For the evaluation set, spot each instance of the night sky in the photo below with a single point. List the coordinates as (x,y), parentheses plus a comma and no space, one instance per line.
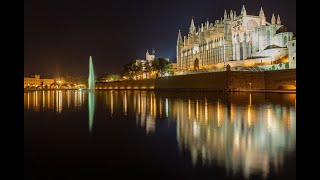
(60,35)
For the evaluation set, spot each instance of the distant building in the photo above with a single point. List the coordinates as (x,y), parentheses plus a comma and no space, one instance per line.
(144,62)
(35,81)
(234,38)
(150,57)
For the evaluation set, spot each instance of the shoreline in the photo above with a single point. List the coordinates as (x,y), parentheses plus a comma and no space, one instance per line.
(183,90)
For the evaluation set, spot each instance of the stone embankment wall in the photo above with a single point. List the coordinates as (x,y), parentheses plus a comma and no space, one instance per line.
(137,84)
(216,81)
(275,79)
(206,81)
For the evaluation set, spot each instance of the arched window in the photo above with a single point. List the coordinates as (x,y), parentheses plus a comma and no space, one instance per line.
(245,37)
(248,50)
(285,41)
(268,38)
(241,51)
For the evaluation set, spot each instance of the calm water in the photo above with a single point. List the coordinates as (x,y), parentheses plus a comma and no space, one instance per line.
(82,135)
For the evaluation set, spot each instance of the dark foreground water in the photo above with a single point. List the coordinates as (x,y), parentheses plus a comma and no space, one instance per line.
(146,134)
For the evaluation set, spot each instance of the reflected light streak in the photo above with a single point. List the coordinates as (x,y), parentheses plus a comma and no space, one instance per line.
(43,101)
(49,92)
(167,104)
(35,102)
(269,119)
(76,98)
(150,124)
(28,100)
(52,99)
(196,129)
(68,98)
(160,106)
(206,110)
(59,101)
(232,113)
(189,109)
(218,113)
(139,103)
(80,98)
(111,103)
(125,102)
(197,109)
(151,104)
(154,106)
(249,117)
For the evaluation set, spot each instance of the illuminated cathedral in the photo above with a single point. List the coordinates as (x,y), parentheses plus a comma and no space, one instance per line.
(242,38)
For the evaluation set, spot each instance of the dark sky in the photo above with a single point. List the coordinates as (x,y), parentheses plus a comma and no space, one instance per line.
(60,35)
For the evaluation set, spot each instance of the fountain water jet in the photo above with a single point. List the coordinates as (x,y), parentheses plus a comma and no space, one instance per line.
(91,88)
(91,83)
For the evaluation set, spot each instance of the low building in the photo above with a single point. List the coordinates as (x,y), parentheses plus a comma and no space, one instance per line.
(36,82)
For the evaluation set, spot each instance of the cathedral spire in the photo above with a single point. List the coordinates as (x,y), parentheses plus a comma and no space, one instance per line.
(207,23)
(234,15)
(243,11)
(225,14)
(273,19)
(261,13)
(179,40)
(192,27)
(231,15)
(278,20)
(262,17)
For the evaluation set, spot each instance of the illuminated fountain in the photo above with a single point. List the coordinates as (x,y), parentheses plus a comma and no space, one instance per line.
(91,88)
(91,83)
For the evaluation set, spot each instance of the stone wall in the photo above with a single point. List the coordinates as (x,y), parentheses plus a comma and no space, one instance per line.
(206,81)
(275,79)
(246,80)
(137,84)
(216,81)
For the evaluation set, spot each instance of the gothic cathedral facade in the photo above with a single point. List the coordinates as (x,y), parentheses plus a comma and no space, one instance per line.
(232,38)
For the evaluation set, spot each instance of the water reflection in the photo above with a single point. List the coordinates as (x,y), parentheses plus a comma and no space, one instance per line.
(91,95)
(146,110)
(247,133)
(238,145)
(57,101)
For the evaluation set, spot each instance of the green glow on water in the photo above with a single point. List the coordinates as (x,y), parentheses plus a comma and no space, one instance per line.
(91,108)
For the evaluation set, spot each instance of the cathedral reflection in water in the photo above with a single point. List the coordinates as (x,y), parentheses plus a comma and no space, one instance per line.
(242,132)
